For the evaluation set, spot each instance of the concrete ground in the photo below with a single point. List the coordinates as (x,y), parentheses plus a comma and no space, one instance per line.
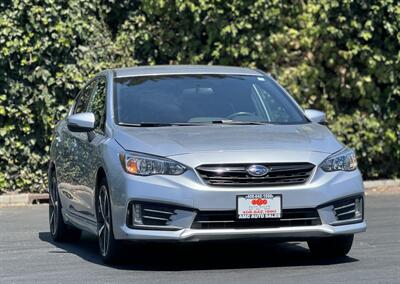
(27,254)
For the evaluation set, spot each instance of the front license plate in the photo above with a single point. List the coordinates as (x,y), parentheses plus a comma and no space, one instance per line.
(259,206)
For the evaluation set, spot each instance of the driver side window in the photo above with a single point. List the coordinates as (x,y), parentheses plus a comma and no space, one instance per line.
(97,104)
(83,98)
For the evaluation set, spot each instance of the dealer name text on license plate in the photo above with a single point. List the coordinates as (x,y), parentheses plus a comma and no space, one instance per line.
(259,206)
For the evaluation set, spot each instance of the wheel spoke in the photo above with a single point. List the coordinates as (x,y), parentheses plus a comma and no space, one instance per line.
(55,194)
(52,218)
(53,206)
(104,218)
(105,208)
(105,241)
(51,194)
(101,205)
(55,221)
(51,197)
(106,232)
(55,217)
(101,230)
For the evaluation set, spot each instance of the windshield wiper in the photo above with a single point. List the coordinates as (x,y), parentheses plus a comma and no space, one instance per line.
(157,124)
(238,122)
(163,124)
(145,124)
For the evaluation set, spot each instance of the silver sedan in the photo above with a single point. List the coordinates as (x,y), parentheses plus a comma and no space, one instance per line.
(192,153)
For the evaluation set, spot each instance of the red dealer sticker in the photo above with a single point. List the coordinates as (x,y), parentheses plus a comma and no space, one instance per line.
(259,206)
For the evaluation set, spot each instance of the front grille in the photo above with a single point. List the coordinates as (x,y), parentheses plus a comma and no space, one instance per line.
(237,175)
(227,220)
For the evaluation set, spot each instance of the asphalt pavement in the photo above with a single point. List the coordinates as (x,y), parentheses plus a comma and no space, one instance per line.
(27,254)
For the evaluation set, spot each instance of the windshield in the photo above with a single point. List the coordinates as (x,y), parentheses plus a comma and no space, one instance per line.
(199,99)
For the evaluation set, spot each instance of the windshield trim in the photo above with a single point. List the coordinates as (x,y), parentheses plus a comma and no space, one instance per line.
(188,73)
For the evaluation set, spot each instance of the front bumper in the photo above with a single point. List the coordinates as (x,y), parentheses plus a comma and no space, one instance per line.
(287,233)
(188,191)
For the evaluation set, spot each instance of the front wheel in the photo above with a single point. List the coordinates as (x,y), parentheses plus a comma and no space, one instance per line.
(331,246)
(109,246)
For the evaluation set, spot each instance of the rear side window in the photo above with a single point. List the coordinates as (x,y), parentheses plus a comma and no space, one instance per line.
(83,98)
(97,104)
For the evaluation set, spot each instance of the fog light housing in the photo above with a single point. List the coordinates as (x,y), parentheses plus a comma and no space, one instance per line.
(358,208)
(348,211)
(137,214)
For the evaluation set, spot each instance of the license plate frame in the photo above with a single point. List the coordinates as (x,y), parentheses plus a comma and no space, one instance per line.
(259,197)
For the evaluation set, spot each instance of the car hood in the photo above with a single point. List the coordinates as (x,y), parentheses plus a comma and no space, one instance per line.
(179,140)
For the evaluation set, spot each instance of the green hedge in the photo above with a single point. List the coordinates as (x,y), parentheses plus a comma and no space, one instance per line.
(341,56)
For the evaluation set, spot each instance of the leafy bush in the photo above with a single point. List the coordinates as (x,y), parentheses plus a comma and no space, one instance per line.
(338,56)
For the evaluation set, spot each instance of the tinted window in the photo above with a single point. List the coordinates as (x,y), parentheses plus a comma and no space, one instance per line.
(97,103)
(203,98)
(83,98)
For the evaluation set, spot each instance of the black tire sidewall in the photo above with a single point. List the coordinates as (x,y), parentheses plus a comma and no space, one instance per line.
(331,246)
(60,229)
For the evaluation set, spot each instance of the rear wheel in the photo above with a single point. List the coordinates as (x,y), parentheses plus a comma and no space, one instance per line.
(58,229)
(331,246)
(109,246)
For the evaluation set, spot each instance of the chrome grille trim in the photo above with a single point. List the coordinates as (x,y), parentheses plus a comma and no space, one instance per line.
(205,222)
(345,206)
(237,175)
(156,218)
(344,209)
(299,219)
(227,219)
(345,213)
(157,211)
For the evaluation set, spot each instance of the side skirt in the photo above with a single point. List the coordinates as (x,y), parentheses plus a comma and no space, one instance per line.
(79,222)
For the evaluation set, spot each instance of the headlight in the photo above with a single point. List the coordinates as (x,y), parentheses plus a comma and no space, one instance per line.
(146,165)
(344,160)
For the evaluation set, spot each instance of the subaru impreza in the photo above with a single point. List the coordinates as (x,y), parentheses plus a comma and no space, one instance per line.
(200,153)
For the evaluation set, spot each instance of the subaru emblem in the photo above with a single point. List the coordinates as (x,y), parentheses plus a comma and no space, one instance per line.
(258,170)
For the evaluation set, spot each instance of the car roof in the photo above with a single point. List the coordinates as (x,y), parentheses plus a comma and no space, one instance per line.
(183,69)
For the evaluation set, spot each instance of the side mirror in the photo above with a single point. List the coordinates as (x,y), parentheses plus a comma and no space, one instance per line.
(315,115)
(81,122)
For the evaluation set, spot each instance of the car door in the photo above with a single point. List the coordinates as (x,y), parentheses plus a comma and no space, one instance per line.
(73,183)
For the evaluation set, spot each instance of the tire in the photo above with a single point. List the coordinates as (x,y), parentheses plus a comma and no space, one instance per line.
(59,230)
(109,247)
(331,246)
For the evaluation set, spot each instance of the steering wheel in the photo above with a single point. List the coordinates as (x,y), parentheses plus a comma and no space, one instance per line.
(240,113)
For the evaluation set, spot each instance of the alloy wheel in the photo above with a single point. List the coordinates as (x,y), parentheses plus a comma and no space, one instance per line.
(104,220)
(53,206)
